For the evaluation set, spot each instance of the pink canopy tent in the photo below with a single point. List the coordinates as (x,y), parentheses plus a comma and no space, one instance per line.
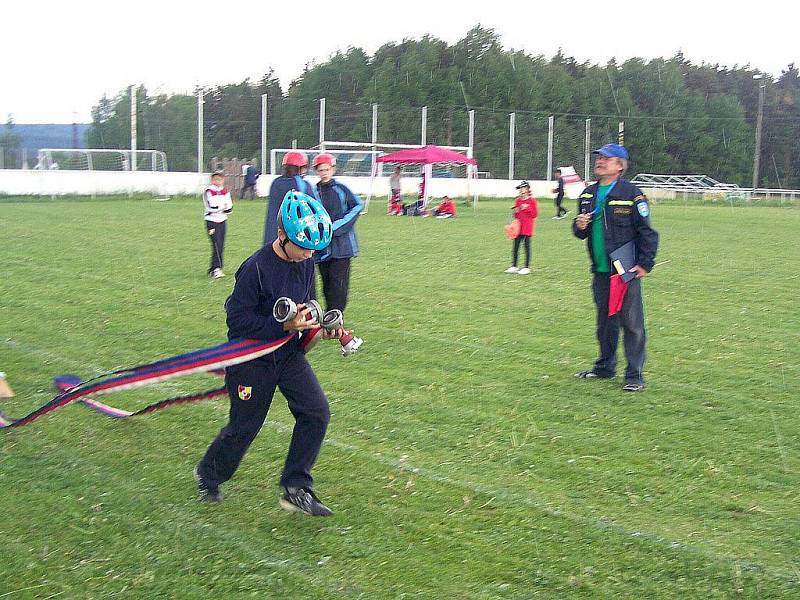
(427,156)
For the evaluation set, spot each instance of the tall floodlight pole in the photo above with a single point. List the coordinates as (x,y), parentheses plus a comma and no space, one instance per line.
(512,118)
(424,137)
(550,126)
(263,132)
(471,142)
(322,124)
(374,164)
(471,169)
(471,139)
(374,127)
(759,121)
(199,131)
(133,128)
(587,148)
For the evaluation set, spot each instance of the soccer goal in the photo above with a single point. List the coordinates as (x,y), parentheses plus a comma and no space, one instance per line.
(349,163)
(100,159)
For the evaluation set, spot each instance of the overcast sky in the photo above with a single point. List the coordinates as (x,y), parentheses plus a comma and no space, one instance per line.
(60,57)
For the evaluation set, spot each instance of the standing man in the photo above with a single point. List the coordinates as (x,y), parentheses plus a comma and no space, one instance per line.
(251,174)
(613,212)
(561,212)
(344,207)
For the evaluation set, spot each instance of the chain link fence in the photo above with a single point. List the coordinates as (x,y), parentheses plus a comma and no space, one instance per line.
(521,146)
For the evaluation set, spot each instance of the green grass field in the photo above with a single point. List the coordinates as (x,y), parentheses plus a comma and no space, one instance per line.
(463,459)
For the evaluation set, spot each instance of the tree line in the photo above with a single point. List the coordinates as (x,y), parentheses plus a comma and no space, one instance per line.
(680,117)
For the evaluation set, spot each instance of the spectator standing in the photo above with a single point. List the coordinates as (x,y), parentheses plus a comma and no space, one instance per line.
(525,210)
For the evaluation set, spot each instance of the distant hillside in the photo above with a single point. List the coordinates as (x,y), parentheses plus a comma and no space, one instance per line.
(34,137)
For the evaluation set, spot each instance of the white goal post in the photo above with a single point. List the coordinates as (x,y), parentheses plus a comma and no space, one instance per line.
(100,159)
(351,163)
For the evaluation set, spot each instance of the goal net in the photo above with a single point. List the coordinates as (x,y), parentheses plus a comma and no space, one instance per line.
(349,163)
(360,163)
(100,159)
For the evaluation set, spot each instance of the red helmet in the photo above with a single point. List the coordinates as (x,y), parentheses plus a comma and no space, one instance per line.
(295,158)
(324,159)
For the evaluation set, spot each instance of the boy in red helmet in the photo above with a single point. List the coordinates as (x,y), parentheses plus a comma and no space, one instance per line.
(295,165)
(344,207)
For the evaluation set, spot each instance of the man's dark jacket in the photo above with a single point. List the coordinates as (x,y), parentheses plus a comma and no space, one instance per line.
(626,217)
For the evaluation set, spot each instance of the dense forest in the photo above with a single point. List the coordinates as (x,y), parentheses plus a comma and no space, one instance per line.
(679,117)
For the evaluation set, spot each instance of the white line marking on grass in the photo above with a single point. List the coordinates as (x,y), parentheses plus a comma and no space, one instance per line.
(32,587)
(510,497)
(778,437)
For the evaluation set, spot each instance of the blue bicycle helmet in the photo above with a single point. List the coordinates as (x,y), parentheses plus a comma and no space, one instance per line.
(305,221)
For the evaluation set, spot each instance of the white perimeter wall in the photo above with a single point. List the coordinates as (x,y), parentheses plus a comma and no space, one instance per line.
(438,187)
(47,183)
(29,182)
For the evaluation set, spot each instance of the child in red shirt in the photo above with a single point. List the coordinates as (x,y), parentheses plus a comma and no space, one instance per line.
(525,210)
(446,209)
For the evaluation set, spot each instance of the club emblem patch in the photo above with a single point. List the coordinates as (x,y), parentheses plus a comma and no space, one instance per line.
(644,210)
(245,392)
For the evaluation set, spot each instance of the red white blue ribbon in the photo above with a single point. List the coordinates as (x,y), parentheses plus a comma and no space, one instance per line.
(200,361)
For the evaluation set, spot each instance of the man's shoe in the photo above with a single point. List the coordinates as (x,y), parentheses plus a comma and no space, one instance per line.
(524,271)
(633,387)
(216,274)
(206,493)
(512,270)
(591,375)
(303,500)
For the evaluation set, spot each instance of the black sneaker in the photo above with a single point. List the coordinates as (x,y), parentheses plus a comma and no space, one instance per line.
(591,375)
(206,493)
(633,387)
(305,501)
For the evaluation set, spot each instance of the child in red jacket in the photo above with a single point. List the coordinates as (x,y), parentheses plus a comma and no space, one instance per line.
(445,210)
(526,209)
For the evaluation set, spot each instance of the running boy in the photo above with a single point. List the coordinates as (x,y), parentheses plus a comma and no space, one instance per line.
(282,268)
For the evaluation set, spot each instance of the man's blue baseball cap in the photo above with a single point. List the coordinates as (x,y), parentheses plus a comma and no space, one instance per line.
(613,151)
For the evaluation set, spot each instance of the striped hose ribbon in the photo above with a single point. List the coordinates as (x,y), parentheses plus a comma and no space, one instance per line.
(200,361)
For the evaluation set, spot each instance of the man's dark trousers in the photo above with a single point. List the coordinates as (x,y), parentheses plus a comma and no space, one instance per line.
(307,402)
(630,318)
